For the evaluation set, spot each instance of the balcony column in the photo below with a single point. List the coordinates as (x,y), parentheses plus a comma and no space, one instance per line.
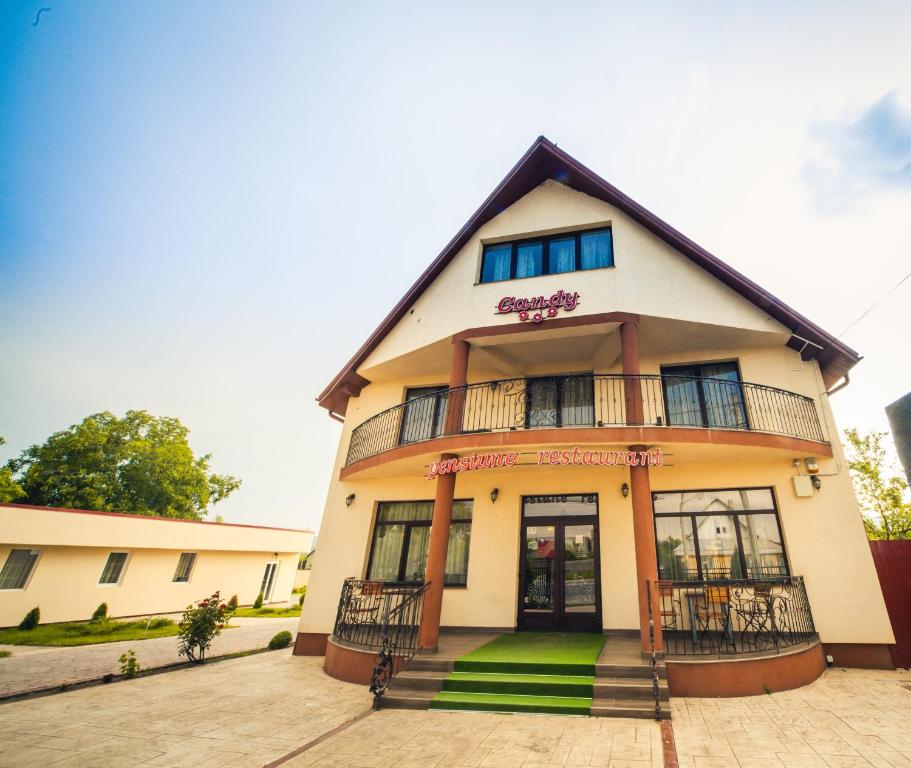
(629,352)
(435,571)
(646,552)
(458,378)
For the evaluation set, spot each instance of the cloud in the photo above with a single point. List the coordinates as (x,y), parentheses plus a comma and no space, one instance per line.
(861,155)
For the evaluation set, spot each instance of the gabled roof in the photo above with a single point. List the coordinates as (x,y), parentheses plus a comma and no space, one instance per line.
(543,161)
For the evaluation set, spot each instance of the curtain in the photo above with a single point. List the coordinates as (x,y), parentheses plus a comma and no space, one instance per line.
(562,256)
(497,261)
(577,406)
(457,554)
(723,396)
(529,259)
(387,552)
(542,402)
(597,250)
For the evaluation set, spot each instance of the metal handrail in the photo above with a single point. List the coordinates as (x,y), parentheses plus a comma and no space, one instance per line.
(588,400)
(653,659)
(728,617)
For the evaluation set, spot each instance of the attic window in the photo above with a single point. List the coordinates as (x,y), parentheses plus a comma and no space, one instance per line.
(569,252)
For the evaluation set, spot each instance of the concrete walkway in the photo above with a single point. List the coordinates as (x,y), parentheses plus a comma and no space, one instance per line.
(34,667)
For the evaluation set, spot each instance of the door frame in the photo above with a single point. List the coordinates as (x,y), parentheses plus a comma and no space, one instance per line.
(559,619)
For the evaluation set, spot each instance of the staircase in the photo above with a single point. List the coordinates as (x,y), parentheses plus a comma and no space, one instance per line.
(606,690)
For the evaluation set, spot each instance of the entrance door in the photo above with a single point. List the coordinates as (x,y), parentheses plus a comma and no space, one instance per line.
(559,579)
(268,581)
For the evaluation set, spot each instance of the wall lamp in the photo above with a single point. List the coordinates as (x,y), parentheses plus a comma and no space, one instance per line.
(624,489)
(817,481)
(349,500)
(494,494)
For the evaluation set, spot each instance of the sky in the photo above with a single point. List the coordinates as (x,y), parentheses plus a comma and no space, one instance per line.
(205,208)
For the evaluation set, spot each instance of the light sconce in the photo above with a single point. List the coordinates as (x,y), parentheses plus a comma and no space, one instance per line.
(817,481)
(494,494)
(349,500)
(624,489)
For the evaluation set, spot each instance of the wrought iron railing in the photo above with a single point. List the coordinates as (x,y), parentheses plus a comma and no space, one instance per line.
(721,618)
(381,617)
(588,400)
(653,658)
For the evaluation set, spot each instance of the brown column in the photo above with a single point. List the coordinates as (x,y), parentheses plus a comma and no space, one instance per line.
(435,572)
(458,377)
(646,554)
(632,388)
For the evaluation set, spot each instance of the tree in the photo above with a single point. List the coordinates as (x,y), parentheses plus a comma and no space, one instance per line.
(880,489)
(139,463)
(10,490)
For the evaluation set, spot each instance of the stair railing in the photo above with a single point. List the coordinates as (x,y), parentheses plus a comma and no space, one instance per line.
(401,625)
(653,662)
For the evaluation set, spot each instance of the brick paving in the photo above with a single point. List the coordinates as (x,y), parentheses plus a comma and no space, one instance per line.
(259,709)
(846,719)
(32,667)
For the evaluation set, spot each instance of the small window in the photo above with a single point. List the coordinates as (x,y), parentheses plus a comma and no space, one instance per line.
(566,252)
(113,568)
(18,568)
(185,566)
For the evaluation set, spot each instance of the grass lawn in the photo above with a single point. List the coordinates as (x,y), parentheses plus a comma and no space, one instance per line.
(268,612)
(86,633)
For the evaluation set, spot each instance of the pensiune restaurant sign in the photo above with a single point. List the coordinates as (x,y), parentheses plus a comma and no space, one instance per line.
(537,308)
(575,457)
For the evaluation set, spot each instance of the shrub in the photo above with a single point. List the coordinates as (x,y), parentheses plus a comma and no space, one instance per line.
(301,601)
(200,624)
(101,613)
(258,603)
(281,640)
(232,603)
(129,664)
(31,619)
(159,622)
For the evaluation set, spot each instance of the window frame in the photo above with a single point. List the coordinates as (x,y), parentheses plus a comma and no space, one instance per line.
(559,382)
(406,538)
(732,513)
(545,241)
(174,579)
(120,575)
(703,411)
(28,578)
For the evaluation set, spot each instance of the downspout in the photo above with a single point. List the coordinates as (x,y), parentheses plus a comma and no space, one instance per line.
(844,383)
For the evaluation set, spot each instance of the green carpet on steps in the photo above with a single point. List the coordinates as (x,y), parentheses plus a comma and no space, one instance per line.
(549,672)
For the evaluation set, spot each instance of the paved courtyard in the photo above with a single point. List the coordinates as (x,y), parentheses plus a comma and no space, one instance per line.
(276,707)
(35,667)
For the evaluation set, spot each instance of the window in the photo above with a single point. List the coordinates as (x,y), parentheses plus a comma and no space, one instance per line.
(185,566)
(718,534)
(425,409)
(113,568)
(704,396)
(567,401)
(402,536)
(552,255)
(18,568)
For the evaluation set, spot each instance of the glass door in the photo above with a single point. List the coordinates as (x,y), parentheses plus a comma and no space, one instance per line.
(559,579)
(268,581)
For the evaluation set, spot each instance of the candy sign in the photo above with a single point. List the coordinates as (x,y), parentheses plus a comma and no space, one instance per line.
(537,308)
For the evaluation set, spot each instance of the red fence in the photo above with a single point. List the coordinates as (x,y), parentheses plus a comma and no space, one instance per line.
(893,566)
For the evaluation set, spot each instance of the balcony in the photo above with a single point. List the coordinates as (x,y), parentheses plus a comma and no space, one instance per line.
(588,401)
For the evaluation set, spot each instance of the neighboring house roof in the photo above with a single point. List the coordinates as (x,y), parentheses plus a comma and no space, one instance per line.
(543,161)
(158,518)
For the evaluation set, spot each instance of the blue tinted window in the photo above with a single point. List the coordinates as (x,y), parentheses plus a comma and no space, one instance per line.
(597,250)
(529,259)
(497,260)
(562,255)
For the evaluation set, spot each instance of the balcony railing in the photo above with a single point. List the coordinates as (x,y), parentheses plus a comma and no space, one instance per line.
(587,400)
(723,618)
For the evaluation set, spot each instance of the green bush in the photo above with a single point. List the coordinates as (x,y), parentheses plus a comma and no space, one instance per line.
(159,623)
(281,640)
(258,603)
(31,619)
(101,613)
(199,626)
(232,603)
(301,601)
(129,664)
